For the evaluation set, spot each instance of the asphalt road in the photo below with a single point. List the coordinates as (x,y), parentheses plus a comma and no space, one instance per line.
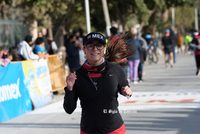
(167,102)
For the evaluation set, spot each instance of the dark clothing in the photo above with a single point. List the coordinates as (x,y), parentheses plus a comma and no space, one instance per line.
(66,38)
(174,38)
(99,103)
(197,59)
(136,45)
(46,43)
(155,42)
(143,55)
(73,56)
(196,41)
(140,71)
(168,44)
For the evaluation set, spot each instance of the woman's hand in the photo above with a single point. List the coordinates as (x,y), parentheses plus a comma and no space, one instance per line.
(70,80)
(126,91)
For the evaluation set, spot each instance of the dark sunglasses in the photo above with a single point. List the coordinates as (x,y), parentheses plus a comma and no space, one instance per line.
(99,46)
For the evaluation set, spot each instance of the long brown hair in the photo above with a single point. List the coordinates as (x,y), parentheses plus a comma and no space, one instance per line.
(119,49)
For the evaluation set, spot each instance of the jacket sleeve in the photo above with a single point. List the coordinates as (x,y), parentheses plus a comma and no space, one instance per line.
(70,100)
(28,53)
(72,49)
(122,81)
(144,54)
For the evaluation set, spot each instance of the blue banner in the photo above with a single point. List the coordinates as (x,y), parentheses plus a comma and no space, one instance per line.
(14,95)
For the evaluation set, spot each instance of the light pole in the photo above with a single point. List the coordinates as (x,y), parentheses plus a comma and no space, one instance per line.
(196,19)
(87,14)
(107,17)
(173,17)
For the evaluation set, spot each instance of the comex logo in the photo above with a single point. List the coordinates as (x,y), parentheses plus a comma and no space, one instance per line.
(9,92)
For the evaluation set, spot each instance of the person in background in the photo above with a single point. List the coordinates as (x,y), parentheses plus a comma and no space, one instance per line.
(187,40)
(81,33)
(114,34)
(142,40)
(2,62)
(38,48)
(134,60)
(148,39)
(78,43)
(196,41)
(168,46)
(179,43)
(113,38)
(40,34)
(52,46)
(14,53)
(174,38)
(72,51)
(25,50)
(143,55)
(7,57)
(66,36)
(44,36)
(1,51)
(97,84)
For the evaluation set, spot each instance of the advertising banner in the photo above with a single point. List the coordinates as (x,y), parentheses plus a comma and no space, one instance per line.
(37,80)
(14,94)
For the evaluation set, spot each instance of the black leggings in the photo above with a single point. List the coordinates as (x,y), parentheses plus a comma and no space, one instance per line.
(197,58)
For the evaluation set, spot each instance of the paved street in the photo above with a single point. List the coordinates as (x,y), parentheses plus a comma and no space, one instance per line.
(167,102)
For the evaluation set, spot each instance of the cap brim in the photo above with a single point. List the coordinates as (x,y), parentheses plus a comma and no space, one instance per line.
(94,39)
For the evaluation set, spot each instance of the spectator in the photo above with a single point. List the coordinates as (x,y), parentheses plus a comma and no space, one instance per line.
(40,34)
(66,36)
(38,48)
(81,33)
(52,46)
(7,57)
(2,62)
(73,53)
(79,43)
(1,51)
(25,51)
(15,56)
(44,36)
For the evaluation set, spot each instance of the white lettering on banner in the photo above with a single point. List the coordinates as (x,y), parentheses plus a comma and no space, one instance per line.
(9,92)
(97,36)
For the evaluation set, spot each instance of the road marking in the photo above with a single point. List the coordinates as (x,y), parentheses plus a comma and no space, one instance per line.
(139,100)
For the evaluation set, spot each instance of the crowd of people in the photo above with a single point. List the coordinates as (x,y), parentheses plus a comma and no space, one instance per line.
(29,49)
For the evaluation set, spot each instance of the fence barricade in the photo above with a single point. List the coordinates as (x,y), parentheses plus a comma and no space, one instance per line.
(29,84)
(57,73)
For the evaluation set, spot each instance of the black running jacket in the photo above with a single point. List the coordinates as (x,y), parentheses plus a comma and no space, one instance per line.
(99,104)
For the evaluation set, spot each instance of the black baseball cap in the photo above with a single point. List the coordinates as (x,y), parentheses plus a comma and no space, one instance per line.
(93,36)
